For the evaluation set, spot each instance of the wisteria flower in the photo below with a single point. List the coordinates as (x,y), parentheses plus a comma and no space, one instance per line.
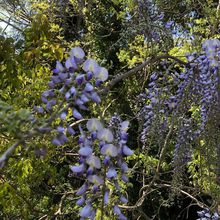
(123,199)
(117,210)
(77,115)
(127,151)
(112,173)
(91,65)
(82,189)
(95,97)
(77,52)
(102,74)
(109,150)
(78,169)
(85,151)
(97,180)
(93,162)
(59,68)
(80,79)
(86,211)
(81,201)
(88,87)
(124,126)
(70,63)
(169,24)
(105,135)
(106,197)
(94,125)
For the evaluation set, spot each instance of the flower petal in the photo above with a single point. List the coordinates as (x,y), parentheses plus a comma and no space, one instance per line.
(97,180)
(95,97)
(105,135)
(111,173)
(94,124)
(82,190)
(109,150)
(85,151)
(59,67)
(86,211)
(90,65)
(78,169)
(127,151)
(93,162)
(124,126)
(88,87)
(102,74)
(106,197)
(77,52)
(123,199)
(77,115)
(80,201)
(117,210)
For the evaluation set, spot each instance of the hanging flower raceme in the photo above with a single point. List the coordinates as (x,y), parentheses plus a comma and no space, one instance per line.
(160,102)
(174,95)
(205,84)
(102,162)
(72,85)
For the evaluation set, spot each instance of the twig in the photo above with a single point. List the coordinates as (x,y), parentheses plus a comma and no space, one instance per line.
(7,153)
(60,209)
(103,113)
(146,217)
(200,204)
(143,189)
(141,200)
(30,134)
(43,217)
(217,10)
(8,23)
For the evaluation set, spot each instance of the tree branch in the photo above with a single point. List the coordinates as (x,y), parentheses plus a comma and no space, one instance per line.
(131,72)
(7,153)
(141,199)
(60,208)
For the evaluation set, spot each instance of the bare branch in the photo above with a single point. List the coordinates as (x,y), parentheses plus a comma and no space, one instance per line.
(200,204)
(141,199)
(10,24)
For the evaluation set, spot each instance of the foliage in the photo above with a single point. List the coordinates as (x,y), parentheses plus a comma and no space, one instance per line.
(163,78)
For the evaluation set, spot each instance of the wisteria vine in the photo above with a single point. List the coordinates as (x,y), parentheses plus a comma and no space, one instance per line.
(172,95)
(102,150)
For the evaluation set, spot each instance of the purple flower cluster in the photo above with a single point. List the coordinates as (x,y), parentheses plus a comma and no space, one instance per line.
(178,93)
(160,102)
(206,215)
(102,150)
(148,110)
(207,82)
(73,84)
(197,88)
(102,162)
(204,79)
